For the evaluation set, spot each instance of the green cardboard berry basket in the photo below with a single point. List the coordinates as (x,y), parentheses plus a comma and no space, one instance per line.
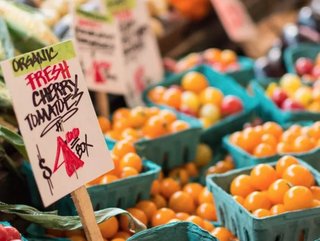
(269,111)
(8,224)
(213,135)
(292,53)
(38,233)
(219,154)
(170,150)
(245,74)
(178,231)
(284,227)
(242,158)
(122,193)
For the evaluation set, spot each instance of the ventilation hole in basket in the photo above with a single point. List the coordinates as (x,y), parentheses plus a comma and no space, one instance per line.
(139,197)
(97,207)
(165,161)
(119,203)
(185,154)
(221,216)
(278,238)
(246,235)
(303,235)
(234,225)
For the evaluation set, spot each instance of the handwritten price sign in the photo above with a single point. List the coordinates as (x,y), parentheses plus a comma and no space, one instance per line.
(99,49)
(57,120)
(119,54)
(141,55)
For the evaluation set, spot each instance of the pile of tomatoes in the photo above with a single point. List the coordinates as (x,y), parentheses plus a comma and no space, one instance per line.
(272,190)
(196,98)
(174,197)
(126,161)
(141,122)
(270,138)
(308,68)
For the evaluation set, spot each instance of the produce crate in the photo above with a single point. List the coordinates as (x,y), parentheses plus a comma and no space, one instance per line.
(178,231)
(213,134)
(268,110)
(284,227)
(170,150)
(123,193)
(245,74)
(8,224)
(242,158)
(292,53)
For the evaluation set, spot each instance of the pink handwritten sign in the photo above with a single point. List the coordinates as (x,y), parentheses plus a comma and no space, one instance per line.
(57,120)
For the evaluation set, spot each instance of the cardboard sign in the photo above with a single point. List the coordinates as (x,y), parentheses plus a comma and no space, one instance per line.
(142,59)
(235,19)
(98,44)
(57,120)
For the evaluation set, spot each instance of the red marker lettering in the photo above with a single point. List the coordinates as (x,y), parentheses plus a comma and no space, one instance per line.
(48,74)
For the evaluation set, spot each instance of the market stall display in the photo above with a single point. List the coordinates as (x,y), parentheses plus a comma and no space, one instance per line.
(267,142)
(287,99)
(241,191)
(215,99)
(224,147)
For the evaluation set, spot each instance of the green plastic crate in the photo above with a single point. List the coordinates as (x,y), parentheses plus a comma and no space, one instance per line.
(269,111)
(178,231)
(283,227)
(8,224)
(123,193)
(171,150)
(213,135)
(242,158)
(292,53)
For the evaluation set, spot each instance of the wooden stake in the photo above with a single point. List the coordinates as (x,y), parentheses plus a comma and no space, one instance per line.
(84,207)
(102,104)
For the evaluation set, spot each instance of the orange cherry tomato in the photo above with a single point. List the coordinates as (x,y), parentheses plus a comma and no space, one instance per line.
(298,197)
(277,190)
(256,200)
(262,176)
(242,186)
(284,162)
(298,175)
